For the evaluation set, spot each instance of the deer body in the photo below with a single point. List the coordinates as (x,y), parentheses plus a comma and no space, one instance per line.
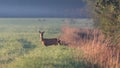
(47,41)
(52,41)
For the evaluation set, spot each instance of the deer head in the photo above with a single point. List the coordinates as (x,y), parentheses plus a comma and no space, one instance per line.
(41,35)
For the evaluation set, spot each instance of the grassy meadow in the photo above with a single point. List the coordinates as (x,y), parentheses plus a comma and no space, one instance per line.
(20,46)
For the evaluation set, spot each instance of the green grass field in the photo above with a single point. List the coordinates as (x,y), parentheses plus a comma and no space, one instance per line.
(20,46)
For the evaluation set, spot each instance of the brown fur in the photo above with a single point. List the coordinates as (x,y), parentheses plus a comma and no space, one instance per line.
(48,41)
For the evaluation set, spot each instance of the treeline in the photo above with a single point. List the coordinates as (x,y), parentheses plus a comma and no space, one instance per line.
(106,14)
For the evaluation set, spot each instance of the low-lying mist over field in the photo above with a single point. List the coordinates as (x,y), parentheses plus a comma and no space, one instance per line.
(34,24)
(80,44)
(19,40)
(59,33)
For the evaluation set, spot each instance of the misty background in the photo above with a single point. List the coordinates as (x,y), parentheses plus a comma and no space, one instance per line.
(42,8)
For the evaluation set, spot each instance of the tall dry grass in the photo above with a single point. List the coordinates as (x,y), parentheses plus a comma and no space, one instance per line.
(0,65)
(98,50)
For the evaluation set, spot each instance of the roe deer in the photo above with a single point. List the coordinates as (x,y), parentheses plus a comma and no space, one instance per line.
(48,41)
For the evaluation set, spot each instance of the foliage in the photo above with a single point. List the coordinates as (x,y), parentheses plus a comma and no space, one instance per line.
(107,17)
(109,12)
(106,14)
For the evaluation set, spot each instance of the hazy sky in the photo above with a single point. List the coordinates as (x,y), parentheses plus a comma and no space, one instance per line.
(40,8)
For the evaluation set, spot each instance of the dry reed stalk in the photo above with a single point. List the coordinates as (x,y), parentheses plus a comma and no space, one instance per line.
(96,48)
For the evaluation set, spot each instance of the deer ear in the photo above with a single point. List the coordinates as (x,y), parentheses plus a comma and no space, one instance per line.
(39,31)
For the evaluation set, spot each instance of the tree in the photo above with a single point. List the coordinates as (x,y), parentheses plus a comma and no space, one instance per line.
(107,17)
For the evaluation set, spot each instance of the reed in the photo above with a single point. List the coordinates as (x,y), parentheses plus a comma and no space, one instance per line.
(98,51)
